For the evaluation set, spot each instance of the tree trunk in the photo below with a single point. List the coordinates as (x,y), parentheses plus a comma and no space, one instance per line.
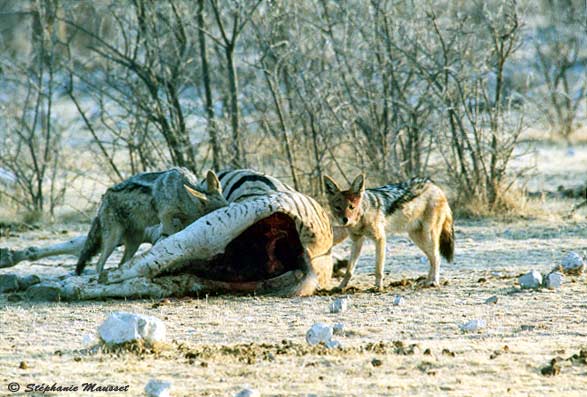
(238,160)
(212,132)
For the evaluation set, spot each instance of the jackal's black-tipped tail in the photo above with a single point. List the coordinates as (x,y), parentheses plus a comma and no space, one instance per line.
(447,239)
(91,246)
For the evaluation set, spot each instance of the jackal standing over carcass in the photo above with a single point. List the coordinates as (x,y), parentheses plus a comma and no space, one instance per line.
(145,208)
(416,206)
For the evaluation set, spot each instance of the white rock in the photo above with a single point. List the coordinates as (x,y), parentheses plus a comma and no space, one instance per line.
(573,262)
(333,344)
(339,305)
(122,327)
(338,329)
(89,339)
(319,333)
(554,280)
(473,325)
(247,392)
(157,388)
(491,299)
(398,300)
(531,280)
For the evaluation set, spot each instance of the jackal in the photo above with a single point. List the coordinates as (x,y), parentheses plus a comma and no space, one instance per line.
(145,208)
(416,206)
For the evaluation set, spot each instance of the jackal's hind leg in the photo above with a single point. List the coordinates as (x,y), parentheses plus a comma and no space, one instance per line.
(110,240)
(429,244)
(355,253)
(131,246)
(380,261)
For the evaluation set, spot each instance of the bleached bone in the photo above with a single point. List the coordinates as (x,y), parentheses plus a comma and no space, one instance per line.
(9,258)
(189,261)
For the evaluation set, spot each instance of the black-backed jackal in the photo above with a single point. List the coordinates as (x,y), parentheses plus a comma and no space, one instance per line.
(416,206)
(145,208)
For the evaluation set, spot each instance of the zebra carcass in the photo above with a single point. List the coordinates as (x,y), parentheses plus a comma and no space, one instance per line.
(277,243)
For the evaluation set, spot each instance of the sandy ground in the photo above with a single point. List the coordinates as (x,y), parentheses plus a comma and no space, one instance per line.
(220,344)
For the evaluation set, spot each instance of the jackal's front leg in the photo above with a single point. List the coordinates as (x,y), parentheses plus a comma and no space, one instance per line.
(355,253)
(380,261)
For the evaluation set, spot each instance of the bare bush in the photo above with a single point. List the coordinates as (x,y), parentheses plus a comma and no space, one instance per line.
(300,89)
(32,144)
(560,63)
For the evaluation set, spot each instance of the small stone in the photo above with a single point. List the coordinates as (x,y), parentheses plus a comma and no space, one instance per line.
(376,362)
(491,300)
(338,329)
(23,365)
(319,333)
(89,339)
(427,352)
(333,344)
(8,283)
(423,260)
(339,305)
(121,327)
(398,300)
(248,392)
(531,280)
(554,280)
(473,325)
(573,263)
(157,388)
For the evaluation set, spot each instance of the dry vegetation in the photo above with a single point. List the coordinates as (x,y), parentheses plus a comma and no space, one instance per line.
(447,89)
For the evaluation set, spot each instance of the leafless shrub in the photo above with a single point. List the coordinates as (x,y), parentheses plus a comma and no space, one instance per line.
(560,63)
(32,141)
(300,89)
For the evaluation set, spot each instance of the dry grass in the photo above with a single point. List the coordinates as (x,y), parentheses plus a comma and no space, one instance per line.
(515,204)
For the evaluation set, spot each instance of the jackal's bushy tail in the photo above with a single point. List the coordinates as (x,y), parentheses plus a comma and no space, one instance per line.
(447,239)
(91,246)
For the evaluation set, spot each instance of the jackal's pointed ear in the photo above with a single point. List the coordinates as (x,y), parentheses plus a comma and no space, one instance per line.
(195,194)
(358,185)
(330,185)
(213,182)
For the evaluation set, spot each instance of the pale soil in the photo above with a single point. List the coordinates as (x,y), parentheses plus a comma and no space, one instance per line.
(535,326)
